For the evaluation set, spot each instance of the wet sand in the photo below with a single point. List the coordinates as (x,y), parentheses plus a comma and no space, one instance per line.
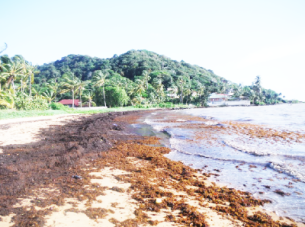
(94,171)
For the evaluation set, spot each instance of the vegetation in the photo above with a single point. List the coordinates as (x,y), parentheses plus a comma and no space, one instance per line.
(10,114)
(136,78)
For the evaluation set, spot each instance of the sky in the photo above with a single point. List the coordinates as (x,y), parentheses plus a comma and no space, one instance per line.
(237,39)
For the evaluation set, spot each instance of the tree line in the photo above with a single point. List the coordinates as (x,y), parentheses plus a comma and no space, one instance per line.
(137,78)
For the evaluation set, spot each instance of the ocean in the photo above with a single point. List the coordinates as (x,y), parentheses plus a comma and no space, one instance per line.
(256,149)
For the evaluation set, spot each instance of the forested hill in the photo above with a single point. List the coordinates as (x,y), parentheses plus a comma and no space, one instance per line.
(137,78)
(129,65)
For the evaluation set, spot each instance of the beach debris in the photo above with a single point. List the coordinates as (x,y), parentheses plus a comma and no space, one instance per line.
(116,127)
(210,123)
(77,177)
(158,200)
(208,117)
(117,189)
(280,192)
(289,186)
(95,213)
(114,204)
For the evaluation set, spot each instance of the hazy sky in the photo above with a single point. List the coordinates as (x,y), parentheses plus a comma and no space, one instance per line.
(237,39)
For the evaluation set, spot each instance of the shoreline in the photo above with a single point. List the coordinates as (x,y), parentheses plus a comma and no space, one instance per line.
(129,170)
(200,141)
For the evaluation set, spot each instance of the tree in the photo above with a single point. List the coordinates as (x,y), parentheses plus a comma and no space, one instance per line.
(238,90)
(139,88)
(200,90)
(49,95)
(79,89)
(12,70)
(69,83)
(2,77)
(53,85)
(146,77)
(116,96)
(157,83)
(88,96)
(257,88)
(6,99)
(30,72)
(182,83)
(99,79)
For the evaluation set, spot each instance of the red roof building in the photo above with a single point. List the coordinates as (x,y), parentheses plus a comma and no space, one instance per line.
(69,102)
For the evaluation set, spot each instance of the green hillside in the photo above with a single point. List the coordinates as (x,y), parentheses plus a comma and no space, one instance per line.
(129,65)
(137,78)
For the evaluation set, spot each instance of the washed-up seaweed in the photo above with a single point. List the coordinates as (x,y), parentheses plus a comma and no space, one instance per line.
(56,159)
(81,147)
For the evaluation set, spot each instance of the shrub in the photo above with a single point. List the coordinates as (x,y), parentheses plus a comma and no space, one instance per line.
(116,96)
(58,106)
(166,105)
(24,102)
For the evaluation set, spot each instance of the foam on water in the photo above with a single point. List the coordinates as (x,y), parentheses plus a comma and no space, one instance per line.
(248,149)
(282,168)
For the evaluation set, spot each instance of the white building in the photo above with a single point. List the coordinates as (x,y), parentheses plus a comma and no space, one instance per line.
(226,100)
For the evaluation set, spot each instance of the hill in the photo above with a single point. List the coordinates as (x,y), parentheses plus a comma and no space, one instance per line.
(137,77)
(129,65)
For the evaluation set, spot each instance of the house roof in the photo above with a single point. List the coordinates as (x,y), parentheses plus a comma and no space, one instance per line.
(217,96)
(69,102)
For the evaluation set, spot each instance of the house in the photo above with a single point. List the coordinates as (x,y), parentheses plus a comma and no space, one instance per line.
(69,102)
(216,98)
(172,93)
(227,100)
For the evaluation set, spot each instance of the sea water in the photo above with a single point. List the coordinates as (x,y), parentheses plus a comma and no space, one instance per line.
(260,166)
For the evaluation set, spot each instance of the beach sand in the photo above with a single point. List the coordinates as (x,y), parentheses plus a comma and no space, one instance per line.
(79,170)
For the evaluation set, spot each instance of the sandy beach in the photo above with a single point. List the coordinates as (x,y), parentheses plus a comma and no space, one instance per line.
(76,170)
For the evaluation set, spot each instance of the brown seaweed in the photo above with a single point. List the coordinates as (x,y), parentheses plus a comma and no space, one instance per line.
(94,143)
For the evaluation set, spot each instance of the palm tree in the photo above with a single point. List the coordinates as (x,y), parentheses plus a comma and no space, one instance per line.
(146,77)
(69,84)
(188,92)
(89,97)
(157,83)
(53,86)
(49,95)
(140,87)
(30,72)
(248,92)
(79,89)
(200,90)
(181,83)
(11,71)
(238,90)
(6,99)
(2,77)
(23,83)
(257,88)
(99,80)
